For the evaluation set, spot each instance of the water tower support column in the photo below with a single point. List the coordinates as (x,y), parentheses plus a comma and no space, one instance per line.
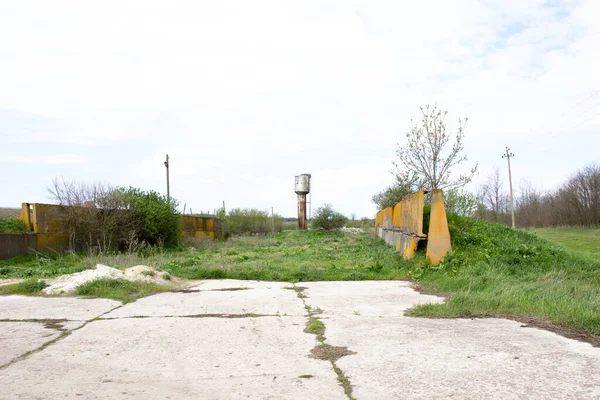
(302,211)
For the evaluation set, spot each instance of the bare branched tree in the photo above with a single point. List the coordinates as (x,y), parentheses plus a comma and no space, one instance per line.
(493,197)
(95,215)
(431,153)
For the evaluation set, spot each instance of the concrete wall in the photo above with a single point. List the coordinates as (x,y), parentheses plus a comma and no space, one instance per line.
(195,227)
(402,226)
(49,235)
(15,244)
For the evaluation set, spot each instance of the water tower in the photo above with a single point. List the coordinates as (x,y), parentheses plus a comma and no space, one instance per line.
(302,188)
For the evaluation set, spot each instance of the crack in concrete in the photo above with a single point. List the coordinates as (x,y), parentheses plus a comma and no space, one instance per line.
(234,289)
(325,351)
(51,324)
(230,316)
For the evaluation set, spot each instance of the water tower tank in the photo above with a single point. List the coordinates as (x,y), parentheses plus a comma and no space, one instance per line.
(302,184)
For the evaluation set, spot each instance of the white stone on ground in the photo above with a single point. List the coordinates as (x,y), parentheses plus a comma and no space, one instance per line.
(67,283)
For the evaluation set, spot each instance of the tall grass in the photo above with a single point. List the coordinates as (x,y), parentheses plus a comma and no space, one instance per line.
(495,270)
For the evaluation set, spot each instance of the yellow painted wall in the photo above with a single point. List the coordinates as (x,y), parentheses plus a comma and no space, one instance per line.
(200,227)
(408,213)
(438,243)
(51,237)
(402,226)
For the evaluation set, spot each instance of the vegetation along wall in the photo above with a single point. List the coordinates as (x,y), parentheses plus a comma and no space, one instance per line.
(402,226)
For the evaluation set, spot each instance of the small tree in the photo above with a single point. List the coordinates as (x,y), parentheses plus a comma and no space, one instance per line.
(426,153)
(327,218)
(426,160)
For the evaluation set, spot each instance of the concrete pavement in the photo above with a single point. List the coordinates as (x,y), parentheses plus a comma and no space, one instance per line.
(224,339)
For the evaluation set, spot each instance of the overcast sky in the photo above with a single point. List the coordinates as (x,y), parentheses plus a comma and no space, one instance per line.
(244,95)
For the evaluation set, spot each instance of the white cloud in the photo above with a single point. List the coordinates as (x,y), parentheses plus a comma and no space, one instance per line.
(245,95)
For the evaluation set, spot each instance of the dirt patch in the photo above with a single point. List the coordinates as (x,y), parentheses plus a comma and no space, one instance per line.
(331,353)
(571,333)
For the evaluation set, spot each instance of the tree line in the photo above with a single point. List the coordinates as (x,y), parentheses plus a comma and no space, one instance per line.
(575,202)
(429,154)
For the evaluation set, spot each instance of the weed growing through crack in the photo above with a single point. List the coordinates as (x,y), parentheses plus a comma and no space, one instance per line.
(119,289)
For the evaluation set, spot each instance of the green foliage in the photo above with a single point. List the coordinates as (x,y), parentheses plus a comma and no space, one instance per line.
(292,256)
(460,202)
(155,217)
(41,265)
(403,186)
(495,270)
(584,241)
(327,218)
(250,220)
(118,289)
(31,286)
(12,225)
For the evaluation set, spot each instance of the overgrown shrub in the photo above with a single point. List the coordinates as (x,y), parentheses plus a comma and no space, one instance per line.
(251,220)
(327,218)
(102,218)
(12,225)
(154,216)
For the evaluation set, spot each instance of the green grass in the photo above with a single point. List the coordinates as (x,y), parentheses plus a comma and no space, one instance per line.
(585,241)
(493,271)
(31,286)
(119,289)
(12,225)
(292,256)
(497,271)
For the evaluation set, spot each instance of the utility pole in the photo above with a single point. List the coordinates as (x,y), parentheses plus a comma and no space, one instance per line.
(508,155)
(272,221)
(168,189)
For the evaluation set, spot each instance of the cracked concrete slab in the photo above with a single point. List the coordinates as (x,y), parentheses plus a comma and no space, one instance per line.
(385,354)
(468,359)
(367,298)
(182,358)
(264,298)
(28,307)
(17,338)
(416,358)
(224,284)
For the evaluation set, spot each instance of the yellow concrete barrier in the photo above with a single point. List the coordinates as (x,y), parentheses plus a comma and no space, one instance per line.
(402,226)
(438,242)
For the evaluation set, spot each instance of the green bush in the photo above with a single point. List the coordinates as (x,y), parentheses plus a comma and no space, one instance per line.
(250,220)
(155,217)
(327,218)
(12,225)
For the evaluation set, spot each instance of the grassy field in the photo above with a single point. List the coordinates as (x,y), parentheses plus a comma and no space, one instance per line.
(493,271)
(292,256)
(585,241)
(497,271)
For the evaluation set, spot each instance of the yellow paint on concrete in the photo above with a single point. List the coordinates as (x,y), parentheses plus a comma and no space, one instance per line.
(409,249)
(388,216)
(52,242)
(199,227)
(408,213)
(438,243)
(25,215)
(46,218)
